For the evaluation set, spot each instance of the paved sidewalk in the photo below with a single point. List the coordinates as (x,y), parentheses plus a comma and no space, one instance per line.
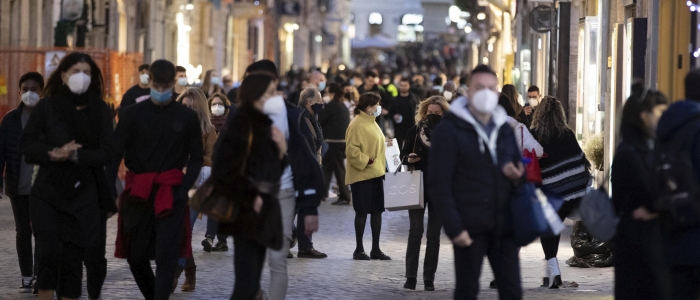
(336,277)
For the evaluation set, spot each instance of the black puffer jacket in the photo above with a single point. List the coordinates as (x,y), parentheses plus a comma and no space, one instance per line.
(10,158)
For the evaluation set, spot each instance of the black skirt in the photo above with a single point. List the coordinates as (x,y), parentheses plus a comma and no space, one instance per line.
(368,196)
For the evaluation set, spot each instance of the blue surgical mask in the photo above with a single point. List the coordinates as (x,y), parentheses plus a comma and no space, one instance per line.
(215,80)
(379,111)
(161,97)
(321,85)
(352,82)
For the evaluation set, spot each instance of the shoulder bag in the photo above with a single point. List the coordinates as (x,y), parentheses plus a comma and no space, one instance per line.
(209,200)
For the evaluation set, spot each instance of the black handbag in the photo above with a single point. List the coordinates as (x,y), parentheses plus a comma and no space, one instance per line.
(211,200)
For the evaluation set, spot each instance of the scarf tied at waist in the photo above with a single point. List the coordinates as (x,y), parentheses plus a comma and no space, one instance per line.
(138,187)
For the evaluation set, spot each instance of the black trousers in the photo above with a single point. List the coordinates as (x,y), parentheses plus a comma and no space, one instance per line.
(333,163)
(96,263)
(641,271)
(59,265)
(686,282)
(304,240)
(550,245)
(503,256)
(23,240)
(167,234)
(415,235)
(248,261)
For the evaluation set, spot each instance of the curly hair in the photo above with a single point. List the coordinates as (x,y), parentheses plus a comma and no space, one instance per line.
(422,111)
(549,120)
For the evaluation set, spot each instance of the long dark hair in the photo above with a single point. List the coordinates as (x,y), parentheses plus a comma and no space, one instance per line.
(53,85)
(549,121)
(253,87)
(510,91)
(641,100)
(504,102)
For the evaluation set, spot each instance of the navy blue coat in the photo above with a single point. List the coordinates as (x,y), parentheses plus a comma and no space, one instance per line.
(469,191)
(682,248)
(10,158)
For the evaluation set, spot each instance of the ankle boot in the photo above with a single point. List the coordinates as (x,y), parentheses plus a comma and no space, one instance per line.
(554,273)
(178,272)
(545,274)
(190,279)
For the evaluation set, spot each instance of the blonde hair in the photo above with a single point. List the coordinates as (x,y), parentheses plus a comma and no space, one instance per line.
(355,95)
(200,105)
(423,107)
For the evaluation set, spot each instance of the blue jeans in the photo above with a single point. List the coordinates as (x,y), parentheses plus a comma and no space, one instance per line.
(212,225)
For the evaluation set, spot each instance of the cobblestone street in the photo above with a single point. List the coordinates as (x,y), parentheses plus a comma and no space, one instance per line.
(336,277)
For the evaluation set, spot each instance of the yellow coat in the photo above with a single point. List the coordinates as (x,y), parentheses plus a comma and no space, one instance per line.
(364,140)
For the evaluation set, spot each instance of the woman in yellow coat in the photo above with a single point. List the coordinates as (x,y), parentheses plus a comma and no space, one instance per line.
(365,147)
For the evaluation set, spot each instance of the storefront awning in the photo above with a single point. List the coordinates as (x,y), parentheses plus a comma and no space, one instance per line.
(377,42)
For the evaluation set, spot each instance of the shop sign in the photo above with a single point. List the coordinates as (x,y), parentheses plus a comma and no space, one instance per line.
(541,19)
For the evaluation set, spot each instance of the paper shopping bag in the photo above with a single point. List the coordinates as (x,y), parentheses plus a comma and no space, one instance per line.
(403,191)
(393,156)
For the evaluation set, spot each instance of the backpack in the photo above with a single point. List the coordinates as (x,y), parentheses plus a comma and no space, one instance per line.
(676,185)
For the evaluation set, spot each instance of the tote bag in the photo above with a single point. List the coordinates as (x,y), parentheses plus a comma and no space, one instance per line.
(403,191)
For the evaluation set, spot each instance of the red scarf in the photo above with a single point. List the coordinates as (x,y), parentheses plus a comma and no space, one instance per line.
(139,187)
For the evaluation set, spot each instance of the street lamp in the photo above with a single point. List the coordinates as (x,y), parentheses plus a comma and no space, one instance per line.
(189,6)
(481,16)
(468,29)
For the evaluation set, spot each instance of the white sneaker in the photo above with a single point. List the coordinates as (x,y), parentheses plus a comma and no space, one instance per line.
(331,195)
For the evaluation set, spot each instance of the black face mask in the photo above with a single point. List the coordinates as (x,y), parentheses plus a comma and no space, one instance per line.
(348,95)
(433,120)
(317,108)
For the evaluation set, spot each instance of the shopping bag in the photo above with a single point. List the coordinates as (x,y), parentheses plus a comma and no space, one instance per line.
(393,156)
(532,167)
(403,190)
(533,215)
(598,214)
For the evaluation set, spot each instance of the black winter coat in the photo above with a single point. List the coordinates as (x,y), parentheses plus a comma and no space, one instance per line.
(468,189)
(334,120)
(262,165)
(58,184)
(10,158)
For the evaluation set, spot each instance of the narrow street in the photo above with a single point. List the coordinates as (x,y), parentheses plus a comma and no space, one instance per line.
(336,277)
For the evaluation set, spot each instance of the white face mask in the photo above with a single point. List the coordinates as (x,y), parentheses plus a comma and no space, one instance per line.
(533,102)
(30,98)
(274,106)
(485,101)
(448,95)
(215,80)
(79,83)
(144,79)
(182,81)
(326,99)
(217,109)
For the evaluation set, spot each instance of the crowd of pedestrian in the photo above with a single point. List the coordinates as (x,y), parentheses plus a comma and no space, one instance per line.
(270,146)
